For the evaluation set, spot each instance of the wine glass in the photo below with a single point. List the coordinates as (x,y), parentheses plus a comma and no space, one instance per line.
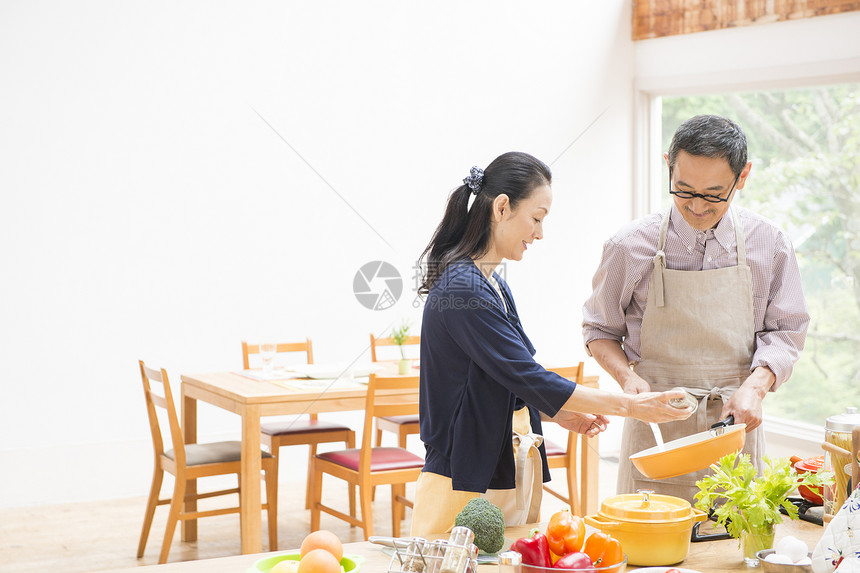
(267,354)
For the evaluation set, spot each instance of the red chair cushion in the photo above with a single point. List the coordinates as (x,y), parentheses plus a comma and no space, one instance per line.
(381,459)
(553,449)
(401,420)
(304,426)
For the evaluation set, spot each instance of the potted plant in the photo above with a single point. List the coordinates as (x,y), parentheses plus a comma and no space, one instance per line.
(748,505)
(400,334)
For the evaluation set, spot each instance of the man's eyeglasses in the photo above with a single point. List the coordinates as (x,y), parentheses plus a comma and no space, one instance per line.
(708,198)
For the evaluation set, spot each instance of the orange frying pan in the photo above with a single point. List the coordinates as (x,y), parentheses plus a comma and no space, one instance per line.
(691,453)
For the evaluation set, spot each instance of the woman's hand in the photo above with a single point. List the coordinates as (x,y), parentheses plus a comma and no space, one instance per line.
(654,407)
(586,424)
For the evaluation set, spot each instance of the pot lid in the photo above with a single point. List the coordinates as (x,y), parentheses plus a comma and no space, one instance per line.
(844,422)
(646,507)
(812,464)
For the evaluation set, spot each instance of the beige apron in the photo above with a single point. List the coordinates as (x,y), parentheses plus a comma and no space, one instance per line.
(437,503)
(698,333)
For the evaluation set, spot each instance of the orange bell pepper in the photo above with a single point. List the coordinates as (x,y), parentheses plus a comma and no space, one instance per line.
(603,549)
(565,533)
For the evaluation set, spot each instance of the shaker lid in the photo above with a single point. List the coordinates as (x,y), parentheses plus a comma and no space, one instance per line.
(844,422)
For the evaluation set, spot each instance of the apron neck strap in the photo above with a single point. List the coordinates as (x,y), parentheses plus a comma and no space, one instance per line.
(664,230)
(660,261)
(739,238)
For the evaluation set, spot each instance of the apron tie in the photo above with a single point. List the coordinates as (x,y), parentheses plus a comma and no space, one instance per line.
(659,267)
(527,451)
(704,396)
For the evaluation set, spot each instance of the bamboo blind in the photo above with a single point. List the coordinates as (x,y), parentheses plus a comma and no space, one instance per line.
(657,18)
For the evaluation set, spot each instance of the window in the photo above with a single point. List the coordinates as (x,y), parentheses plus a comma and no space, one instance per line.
(805,148)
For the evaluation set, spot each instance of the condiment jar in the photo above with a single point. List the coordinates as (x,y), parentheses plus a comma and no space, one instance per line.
(459,551)
(837,431)
(510,562)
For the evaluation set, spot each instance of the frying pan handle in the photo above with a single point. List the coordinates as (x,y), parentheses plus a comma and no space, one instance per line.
(695,536)
(725,422)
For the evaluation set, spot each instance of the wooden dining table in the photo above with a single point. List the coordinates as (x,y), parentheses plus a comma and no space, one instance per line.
(705,557)
(252,399)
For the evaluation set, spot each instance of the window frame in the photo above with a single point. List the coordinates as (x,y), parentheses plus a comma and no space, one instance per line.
(648,185)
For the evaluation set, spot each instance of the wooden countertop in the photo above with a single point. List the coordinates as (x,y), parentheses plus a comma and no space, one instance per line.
(706,556)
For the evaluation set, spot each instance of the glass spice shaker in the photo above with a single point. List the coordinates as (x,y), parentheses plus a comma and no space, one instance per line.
(472,565)
(433,556)
(510,562)
(415,555)
(458,553)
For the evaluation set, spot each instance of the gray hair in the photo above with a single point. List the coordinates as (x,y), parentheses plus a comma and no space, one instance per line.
(711,136)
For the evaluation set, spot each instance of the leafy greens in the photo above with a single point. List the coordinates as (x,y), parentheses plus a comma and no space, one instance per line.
(745,502)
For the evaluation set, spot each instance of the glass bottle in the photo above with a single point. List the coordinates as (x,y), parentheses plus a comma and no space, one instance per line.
(754,540)
(837,431)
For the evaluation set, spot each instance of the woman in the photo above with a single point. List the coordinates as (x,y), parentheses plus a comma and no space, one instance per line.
(479,382)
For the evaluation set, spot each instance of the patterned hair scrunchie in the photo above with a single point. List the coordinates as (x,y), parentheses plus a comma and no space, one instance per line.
(475,179)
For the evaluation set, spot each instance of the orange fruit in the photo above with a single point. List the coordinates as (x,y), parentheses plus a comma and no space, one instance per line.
(323,539)
(319,561)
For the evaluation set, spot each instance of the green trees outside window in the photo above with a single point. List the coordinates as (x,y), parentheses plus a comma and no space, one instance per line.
(805,148)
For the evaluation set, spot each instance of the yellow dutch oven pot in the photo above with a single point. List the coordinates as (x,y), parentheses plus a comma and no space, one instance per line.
(653,529)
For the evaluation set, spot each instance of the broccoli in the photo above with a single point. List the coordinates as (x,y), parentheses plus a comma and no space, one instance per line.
(487,522)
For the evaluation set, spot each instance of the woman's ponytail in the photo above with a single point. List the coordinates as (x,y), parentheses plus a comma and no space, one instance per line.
(447,235)
(465,230)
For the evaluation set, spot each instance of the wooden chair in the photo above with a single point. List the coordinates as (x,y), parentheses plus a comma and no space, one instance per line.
(400,425)
(561,457)
(190,462)
(311,431)
(370,466)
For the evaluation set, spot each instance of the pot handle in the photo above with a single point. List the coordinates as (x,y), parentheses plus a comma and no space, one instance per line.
(599,522)
(699,515)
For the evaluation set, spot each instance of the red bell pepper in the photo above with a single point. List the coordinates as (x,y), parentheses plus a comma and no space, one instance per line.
(534,549)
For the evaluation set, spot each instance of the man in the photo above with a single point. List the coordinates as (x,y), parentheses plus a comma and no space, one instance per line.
(702,296)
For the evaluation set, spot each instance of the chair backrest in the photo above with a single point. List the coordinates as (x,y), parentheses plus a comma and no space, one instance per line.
(282,348)
(387,396)
(374,342)
(572,373)
(156,390)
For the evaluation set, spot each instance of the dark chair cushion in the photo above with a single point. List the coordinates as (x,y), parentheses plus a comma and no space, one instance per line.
(381,459)
(304,426)
(213,453)
(401,420)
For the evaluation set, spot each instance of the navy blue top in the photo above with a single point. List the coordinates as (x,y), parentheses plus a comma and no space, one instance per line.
(477,367)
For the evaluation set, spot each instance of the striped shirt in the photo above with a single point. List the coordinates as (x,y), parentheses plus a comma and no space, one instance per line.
(615,309)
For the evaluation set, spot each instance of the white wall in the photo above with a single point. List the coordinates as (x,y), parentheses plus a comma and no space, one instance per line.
(148,212)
